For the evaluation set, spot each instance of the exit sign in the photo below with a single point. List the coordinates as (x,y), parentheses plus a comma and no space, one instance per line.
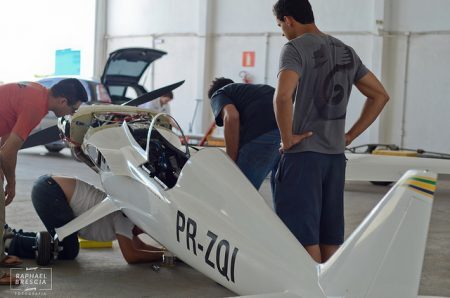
(248,59)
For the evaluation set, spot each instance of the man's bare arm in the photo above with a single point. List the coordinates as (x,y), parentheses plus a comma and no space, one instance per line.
(2,142)
(282,103)
(8,160)
(231,126)
(377,97)
(134,255)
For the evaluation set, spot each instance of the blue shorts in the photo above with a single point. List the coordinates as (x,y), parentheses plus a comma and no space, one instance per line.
(259,157)
(309,195)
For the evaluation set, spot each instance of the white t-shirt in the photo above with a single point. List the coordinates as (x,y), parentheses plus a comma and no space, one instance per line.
(85,197)
(156,106)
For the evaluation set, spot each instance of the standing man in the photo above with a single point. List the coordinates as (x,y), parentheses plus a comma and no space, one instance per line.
(22,107)
(319,70)
(161,104)
(251,134)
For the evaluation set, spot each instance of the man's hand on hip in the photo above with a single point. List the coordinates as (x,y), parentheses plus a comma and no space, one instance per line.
(295,139)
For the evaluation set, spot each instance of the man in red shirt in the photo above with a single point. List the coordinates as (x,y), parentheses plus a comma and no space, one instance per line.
(22,107)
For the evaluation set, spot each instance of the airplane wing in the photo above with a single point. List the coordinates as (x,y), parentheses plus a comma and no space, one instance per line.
(100,210)
(383,256)
(152,95)
(45,136)
(371,167)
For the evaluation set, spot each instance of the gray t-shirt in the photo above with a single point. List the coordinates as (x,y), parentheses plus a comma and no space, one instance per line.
(87,196)
(327,68)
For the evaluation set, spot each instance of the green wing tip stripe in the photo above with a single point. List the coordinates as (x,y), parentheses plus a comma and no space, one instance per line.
(432,182)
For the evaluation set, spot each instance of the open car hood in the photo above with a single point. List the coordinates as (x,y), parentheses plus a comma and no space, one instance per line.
(126,66)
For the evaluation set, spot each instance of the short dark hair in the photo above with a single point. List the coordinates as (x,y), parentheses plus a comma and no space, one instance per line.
(300,10)
(218,83)
(72,89)
(168,94)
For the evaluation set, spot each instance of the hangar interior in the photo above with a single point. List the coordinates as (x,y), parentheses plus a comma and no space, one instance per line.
(404,42)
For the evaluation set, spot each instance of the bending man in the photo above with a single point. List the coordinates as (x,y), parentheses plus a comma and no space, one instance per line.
(58,200)
(22,107)
(252,138)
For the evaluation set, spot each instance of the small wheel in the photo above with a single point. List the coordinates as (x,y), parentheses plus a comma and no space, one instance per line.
(53,149)
(43,248)
(55,249)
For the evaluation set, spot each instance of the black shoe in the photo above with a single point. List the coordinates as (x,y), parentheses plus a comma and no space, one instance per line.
(11,231)
(8,233)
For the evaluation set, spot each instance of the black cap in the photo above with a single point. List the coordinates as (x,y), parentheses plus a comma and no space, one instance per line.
(72,89)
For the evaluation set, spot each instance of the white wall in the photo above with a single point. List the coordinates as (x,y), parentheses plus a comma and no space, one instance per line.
(416,74)
(31,32)
(427,110)
(377,29)
(138,17)
(418,15)
(343,15)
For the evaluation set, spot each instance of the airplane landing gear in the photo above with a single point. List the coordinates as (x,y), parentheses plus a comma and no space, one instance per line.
(168,259)
(46,248)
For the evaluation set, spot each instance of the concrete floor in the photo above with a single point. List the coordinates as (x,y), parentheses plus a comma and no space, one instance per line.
(103,272)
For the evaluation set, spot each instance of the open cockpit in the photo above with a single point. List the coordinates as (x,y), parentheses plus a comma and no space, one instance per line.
(156,142)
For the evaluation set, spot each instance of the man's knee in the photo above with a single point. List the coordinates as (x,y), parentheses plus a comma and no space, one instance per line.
(38,193)
(70,255)
(70,248)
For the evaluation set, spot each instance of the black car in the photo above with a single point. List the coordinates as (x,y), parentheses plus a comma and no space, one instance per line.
(124,70)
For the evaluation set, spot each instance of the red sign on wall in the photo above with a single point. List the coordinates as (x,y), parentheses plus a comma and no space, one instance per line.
(248,59)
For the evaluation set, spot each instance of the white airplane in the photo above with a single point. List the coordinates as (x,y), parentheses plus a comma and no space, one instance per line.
(199,205)
(365,166)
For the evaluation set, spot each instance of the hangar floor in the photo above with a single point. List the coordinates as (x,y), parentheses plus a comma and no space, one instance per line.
(104,273)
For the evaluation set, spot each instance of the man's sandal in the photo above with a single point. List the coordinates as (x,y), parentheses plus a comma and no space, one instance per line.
(10,261)
(8,280)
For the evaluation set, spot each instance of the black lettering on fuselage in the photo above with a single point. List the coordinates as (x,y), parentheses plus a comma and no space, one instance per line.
(210,246)
(181,222)
(190,234)
(223,269)
(222,260)
(233,262)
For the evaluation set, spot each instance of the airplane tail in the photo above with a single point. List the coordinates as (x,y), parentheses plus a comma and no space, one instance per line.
(384,255)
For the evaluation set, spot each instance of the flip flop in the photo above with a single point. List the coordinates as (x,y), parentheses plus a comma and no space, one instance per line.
(8,280)
(15,261)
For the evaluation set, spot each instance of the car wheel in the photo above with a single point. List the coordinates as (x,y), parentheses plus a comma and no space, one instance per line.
(53,149)
(381,183)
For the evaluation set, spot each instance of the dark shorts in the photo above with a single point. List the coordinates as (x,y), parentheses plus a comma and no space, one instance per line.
(259,157)
(309,196)
(52,207)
